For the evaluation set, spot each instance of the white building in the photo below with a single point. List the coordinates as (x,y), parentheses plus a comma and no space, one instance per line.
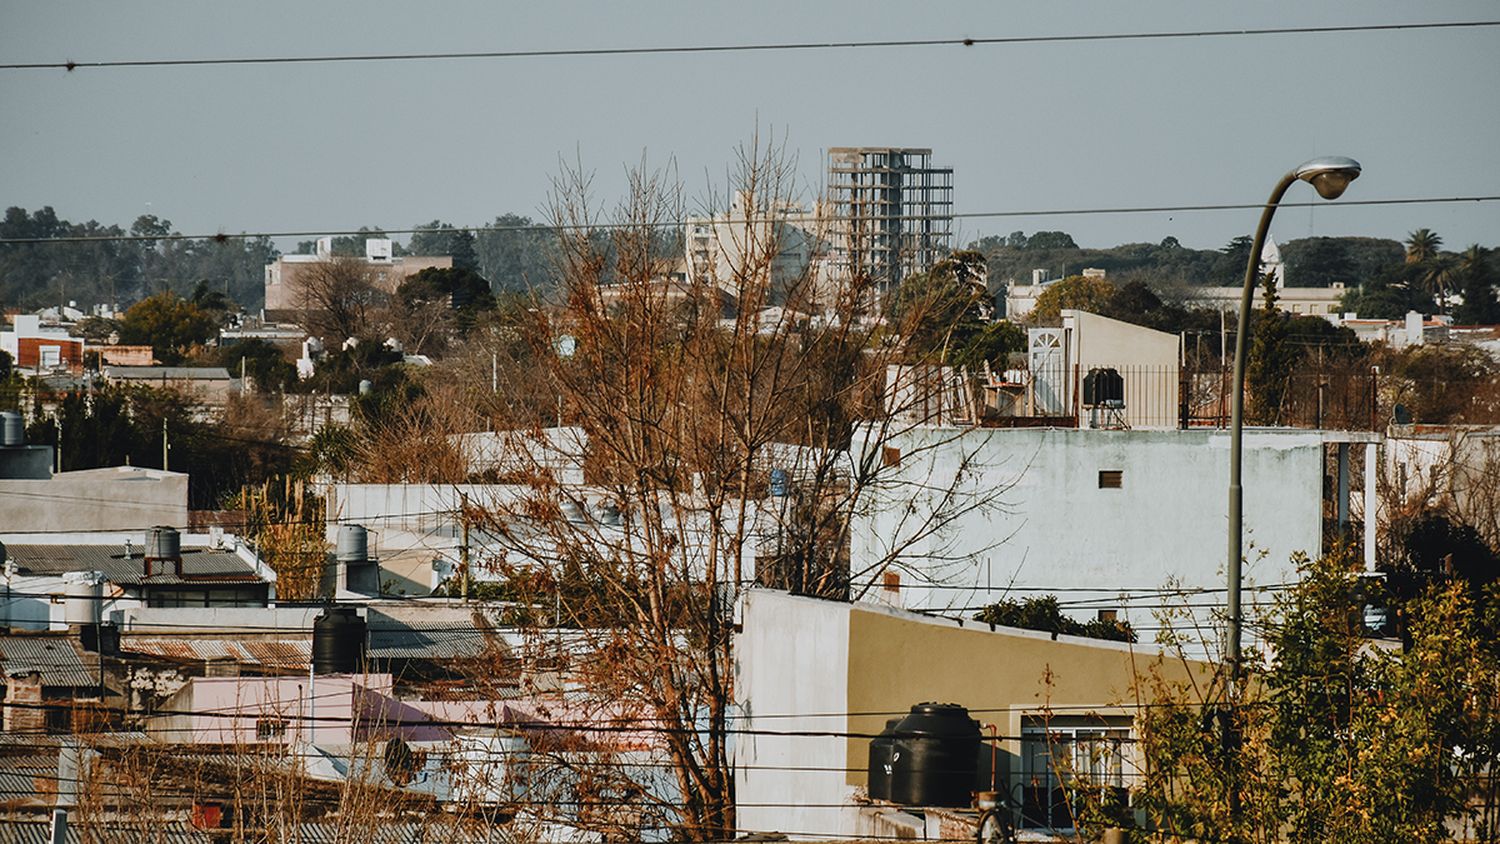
(750,245)
(1106,519)
(284,276)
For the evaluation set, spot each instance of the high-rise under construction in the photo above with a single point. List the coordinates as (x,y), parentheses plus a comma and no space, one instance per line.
(892,212)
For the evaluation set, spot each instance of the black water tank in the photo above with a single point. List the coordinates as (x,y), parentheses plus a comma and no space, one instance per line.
(1102,387)
(881,749)
(936,756)
(338,645)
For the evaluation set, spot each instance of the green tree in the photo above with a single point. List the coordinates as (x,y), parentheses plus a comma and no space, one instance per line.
(1422,246)
(439,238)
(517,254)
(1084,293)
(1272,359)
(263,362)
(170,325)
(1477,283)
(1050,240)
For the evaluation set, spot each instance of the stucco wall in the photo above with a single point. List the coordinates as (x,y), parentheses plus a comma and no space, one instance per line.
(791,664)
(123,498)
(1029,512)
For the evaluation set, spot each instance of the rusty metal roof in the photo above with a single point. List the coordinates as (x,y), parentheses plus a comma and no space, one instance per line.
(280,653)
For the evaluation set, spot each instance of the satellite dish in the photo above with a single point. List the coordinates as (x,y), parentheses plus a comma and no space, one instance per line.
(1401,414)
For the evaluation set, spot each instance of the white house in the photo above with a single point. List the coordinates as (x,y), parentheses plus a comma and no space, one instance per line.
(1105,519)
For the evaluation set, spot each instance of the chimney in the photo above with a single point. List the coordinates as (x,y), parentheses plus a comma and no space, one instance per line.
(23,703)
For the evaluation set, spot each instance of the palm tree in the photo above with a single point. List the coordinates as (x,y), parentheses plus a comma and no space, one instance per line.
(1422,245)
(1440,273)
(1473,259)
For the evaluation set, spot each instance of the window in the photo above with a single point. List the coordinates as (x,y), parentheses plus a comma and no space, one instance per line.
(1109,615)
(267,729)
(1111,479)
(891,455)
(1063,756)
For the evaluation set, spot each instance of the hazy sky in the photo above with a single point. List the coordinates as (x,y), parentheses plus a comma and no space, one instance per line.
(1038,126)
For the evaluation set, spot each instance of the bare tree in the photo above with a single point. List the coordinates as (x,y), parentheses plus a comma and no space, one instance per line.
(339,297)
(720,452)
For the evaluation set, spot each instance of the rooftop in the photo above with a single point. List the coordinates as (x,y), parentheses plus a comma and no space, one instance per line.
(199,565)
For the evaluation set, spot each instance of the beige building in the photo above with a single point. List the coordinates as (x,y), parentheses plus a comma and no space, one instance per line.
(816,678)
(208,384)
(286,275)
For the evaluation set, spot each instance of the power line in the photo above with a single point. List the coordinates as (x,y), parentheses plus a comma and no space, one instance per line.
(795,46)
(546,228)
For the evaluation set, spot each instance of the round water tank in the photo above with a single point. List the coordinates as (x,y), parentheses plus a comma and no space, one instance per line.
(163,543)
(366,386)
(85,591)
(12,429)
(881,749)
(353,544)
(338,644)
(935,759)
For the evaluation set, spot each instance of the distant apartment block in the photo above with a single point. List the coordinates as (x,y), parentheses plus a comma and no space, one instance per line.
(755,242)
(892,212)
(287,276)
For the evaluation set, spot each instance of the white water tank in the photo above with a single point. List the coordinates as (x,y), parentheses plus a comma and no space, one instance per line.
(84,595)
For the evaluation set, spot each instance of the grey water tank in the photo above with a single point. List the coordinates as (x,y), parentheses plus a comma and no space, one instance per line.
(353,545)
(366,386)
(163,551)
(935,759)
(163,543)
(338,644)
(12,429)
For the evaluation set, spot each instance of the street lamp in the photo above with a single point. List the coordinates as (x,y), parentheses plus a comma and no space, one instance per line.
(1329,176)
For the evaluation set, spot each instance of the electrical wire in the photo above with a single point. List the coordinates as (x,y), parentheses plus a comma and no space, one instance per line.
(803,46)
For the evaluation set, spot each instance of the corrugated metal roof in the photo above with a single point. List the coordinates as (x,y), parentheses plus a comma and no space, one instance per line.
(427,641)
(199,565)
(289,654)
(58,658)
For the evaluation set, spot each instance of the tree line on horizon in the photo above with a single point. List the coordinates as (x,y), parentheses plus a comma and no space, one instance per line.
(515,253)
(127,264)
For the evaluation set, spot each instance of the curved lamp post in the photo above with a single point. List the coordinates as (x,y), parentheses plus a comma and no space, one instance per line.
(1329,176)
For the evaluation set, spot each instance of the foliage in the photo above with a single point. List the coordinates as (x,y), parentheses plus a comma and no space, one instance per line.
(517,254)
(1085,293)
(116,426)
(172,326)
(1042,613)
(261,361)
(1478,276)
(1335,740)
(688,418)
(1444,384)
(439,238)
(943,314)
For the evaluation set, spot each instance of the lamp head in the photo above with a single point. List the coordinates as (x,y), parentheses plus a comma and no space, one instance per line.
(1329,175)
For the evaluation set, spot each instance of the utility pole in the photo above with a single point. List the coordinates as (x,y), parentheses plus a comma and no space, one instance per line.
(495,372)
(463,550)
(164,445)
(57,458)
